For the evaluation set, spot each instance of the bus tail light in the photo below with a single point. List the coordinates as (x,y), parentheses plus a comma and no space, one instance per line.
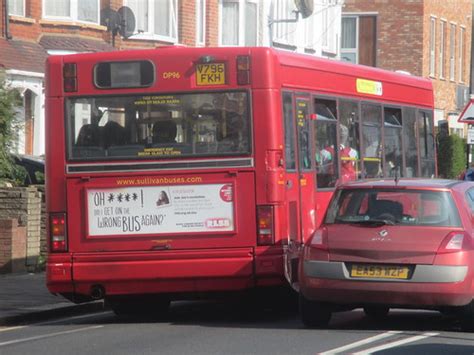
(454,241)
(243,69)
(57,231)
(70,77)
(265,228)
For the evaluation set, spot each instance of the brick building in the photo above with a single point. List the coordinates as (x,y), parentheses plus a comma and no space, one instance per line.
(30,30)
(430,38)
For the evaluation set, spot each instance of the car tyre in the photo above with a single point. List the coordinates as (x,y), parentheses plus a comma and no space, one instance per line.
(467,317)
(314,314)
(376,312)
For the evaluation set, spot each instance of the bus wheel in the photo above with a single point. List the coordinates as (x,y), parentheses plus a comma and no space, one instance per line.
(376,312)
(314,314)
(467,317)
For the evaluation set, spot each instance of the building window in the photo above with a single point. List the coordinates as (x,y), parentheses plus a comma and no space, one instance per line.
(329,15)
(238,25)
(432,45)
(16,7)
(285,33)
(452,48)
(462,31)
(442,40)
(72,10)
(200,22)
(155,20)
(349,39)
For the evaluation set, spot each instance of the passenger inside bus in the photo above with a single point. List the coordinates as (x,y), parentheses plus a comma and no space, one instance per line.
(164,132)
(114,134)
(349,156)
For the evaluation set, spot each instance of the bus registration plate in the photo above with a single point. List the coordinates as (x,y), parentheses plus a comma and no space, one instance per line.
(210,74)
(379,271)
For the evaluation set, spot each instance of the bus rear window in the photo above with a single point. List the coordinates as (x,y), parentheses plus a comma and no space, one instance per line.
(115,75)
(158,126)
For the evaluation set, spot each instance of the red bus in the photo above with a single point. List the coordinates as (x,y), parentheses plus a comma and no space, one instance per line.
(177,172)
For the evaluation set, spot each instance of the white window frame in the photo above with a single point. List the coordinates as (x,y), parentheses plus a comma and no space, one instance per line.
(461,46)
(452,51)
(356,49)
(73,15)
(150,35)
(242,25)
(442,47)
(328,36)
(432,47)
(12,14)
(201,20)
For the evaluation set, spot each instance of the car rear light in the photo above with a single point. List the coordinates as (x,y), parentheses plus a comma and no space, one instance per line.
(265,230)
(243,70)
(70,77)
(319,239)
(58,236)
(453,242)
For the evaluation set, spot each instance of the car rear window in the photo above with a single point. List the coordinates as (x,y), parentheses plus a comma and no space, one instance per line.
(393,206)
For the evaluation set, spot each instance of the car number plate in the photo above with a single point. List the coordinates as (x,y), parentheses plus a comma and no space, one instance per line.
(380,271)
(210,74)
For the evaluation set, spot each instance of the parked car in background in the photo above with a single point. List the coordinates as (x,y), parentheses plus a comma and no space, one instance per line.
(34,168)
(386,244)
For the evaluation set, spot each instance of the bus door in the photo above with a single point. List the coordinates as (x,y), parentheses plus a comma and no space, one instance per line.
(300,180)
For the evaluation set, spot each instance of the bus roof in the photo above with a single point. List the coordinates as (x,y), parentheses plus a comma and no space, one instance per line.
(276,69)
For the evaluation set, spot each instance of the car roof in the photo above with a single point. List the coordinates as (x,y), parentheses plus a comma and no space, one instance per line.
(404,183)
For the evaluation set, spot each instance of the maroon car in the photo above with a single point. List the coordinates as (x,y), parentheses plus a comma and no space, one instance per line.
(386,244)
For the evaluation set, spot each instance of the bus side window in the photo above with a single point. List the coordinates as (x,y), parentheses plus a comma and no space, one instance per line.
(372,140)
(349,140)
(327,150)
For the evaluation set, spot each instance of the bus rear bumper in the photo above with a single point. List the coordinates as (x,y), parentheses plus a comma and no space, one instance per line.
(173,272)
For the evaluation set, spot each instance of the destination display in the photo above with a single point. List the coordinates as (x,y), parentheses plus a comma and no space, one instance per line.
(160,209)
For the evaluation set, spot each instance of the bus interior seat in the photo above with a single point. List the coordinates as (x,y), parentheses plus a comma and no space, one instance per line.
(205,147)
(89,136)
(87,152)
(125,150)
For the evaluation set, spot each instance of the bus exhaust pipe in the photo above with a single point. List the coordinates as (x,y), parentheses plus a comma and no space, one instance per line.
(97,292)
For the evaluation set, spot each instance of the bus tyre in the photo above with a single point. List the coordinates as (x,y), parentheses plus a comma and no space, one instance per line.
(314,314)
(467,317)
(376,312)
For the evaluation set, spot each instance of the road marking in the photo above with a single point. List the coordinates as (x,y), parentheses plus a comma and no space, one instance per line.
(71,318)
(6,329)
(396,343)
(49,335)
(361,342)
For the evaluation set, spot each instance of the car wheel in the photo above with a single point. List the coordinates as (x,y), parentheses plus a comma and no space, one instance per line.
(467,317)
(314,314)
(376,312)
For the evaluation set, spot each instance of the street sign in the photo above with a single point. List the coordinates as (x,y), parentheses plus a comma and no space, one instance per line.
(467,115)
(470,134)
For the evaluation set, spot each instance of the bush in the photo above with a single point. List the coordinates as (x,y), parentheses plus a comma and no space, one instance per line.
(451,156)
(9,100)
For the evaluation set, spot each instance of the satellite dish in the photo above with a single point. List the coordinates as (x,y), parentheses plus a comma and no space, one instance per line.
(305,7)
(126,26)
(109,18)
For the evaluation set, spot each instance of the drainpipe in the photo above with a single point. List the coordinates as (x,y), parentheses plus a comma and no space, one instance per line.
(7,20)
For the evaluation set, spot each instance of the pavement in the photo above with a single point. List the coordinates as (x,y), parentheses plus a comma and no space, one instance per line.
(25,298)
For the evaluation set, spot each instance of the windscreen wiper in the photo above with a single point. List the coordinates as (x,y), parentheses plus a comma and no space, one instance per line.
(374,222)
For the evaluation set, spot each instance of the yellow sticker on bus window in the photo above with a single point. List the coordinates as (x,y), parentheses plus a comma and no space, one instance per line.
(210,74)
(369,87)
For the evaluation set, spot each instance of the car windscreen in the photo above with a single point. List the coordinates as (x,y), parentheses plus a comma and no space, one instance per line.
(393,206)
(158,126)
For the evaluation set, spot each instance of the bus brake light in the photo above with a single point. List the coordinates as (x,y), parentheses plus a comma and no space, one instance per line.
(70,77)
(265,230)
(57,232)
(243,70)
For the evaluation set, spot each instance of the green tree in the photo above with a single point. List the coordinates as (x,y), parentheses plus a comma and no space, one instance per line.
(9,100)
(451,156)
